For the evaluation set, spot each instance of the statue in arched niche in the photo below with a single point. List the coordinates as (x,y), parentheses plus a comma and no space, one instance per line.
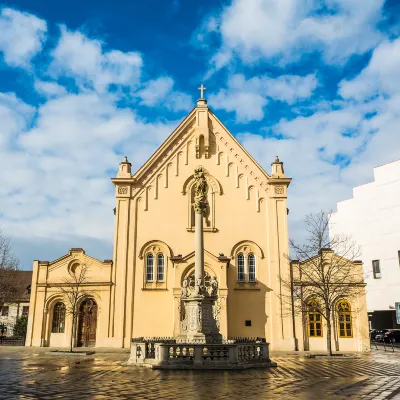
(200,190)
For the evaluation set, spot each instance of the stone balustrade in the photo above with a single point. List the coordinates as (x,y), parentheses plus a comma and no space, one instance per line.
(192,356)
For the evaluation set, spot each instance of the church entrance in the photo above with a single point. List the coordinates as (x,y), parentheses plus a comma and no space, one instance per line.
(87,324)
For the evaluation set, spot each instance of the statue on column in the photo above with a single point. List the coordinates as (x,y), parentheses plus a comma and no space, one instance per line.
(200,190)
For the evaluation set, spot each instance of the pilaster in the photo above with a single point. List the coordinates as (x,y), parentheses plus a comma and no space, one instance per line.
(281,324)
(32,305)
(131,274)
(120,300)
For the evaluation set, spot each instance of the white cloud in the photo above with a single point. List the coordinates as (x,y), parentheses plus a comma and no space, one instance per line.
(179,101)
(248,98)
(248,106)
(286,29)
(22,36)
(156,90)
(49,89)
(381,76)
(15,116)
(160,90)
(85,60)
(56,158)
(329,153)
(290,88)
(55,172)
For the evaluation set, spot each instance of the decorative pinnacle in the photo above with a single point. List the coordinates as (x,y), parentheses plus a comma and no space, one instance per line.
(126,159)
(276,159)
(202,89)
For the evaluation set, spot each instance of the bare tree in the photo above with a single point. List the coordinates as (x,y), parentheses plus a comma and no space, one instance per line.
(324,271)
(74,291)
(8,271)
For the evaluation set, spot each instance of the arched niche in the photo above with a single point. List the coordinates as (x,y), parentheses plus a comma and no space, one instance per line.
(155,246)
(246,246)
(214,188)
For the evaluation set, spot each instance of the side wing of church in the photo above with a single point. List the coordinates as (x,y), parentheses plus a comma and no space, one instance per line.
(245,246)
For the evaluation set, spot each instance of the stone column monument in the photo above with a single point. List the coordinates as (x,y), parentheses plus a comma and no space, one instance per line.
(200,206)
(198,324)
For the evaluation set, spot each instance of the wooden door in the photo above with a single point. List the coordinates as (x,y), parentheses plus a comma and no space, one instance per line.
(87,324)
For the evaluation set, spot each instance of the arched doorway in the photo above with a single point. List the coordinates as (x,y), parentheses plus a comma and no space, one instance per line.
(87,324)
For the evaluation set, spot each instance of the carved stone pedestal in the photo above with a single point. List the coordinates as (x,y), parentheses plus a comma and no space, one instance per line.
(198,324)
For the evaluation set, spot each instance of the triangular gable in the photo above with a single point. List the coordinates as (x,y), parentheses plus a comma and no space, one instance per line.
(207,253)
(186,129)
(74,254)
(169,142)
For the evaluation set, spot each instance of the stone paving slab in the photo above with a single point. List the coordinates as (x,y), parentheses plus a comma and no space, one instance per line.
(33,374)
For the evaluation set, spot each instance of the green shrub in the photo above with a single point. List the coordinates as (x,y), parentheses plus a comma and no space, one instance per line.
(20,326)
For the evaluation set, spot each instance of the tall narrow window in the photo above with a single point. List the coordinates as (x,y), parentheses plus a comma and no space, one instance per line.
(58,323)
(251,265)
(344,317)
(240,265)
(160,267)
(314,319)
(150,268)
(376,268)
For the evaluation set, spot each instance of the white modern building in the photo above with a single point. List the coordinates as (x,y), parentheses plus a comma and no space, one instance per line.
(10,312)
(372,217)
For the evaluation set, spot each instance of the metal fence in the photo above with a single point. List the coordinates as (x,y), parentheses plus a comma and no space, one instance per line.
(385,346)
(12,341)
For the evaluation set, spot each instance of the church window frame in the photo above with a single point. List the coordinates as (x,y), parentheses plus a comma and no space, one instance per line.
(252,253)
(315,324)
(246,267)
(58,319)
(155,266)
(345,321)
(160,267)
(241,267)
(251,268)
(150,267)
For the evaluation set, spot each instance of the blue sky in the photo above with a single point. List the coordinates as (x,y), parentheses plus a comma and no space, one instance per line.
(82,83)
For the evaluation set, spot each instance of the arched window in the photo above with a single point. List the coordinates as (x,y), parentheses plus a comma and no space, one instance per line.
(241,268)
(149,268)
(160,267)
(314,319)
(251,266)
(344,317)
(58,323)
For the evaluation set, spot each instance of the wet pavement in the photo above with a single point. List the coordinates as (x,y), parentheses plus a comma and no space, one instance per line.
(27,373)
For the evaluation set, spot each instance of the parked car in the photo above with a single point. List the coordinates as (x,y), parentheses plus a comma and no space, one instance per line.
(392,335)
(378,334)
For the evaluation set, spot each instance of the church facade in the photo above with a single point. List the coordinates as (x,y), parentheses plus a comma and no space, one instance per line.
(138,292)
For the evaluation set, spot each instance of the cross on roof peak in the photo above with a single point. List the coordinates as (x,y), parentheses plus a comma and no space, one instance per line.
(202,89)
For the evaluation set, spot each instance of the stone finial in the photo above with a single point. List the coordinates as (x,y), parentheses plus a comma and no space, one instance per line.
(124,170)
(277,169)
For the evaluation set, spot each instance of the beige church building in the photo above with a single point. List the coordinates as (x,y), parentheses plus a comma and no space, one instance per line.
(138,293)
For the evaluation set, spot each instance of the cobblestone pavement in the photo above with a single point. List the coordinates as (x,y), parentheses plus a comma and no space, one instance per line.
(33,374)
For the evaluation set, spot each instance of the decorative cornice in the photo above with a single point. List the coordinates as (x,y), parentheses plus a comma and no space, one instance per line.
(66,284)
